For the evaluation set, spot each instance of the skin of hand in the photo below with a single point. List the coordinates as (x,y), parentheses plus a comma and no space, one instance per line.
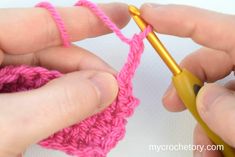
(87,87)
(214,61)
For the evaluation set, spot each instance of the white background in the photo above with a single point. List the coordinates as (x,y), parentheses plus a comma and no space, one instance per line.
(151,123)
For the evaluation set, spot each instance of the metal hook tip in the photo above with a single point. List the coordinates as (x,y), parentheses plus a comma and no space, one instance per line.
(134,10)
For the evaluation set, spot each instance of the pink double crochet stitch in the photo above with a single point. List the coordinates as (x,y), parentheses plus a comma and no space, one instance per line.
(96,135)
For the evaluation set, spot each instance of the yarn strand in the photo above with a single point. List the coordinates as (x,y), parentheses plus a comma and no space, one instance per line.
(106,20)
(58,20)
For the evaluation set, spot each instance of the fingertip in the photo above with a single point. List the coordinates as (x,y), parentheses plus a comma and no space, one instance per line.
(89,92)
(171,100)
(124,13)
(173,104)
(118,13)
(145,11)
(152,14)
(106,87)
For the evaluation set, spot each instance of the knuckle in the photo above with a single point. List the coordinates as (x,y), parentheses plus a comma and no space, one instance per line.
(51,34)
(90,23)
(67,103)
(76,101)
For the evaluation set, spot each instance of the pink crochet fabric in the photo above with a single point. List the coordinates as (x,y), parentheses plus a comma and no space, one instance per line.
(94,136)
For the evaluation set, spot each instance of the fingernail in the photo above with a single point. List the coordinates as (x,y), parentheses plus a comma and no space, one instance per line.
(152,5)
(106,87)
(209,94)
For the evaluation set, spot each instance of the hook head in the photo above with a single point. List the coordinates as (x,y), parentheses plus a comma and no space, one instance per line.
(134,10)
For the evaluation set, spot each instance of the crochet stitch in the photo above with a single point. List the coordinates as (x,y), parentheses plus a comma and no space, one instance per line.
(96,135)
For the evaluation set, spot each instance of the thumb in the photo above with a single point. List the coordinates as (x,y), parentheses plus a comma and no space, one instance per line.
(216,106)
(28,117)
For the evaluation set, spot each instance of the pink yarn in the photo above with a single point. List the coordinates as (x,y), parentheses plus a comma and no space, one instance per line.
(58,20)
(96,135)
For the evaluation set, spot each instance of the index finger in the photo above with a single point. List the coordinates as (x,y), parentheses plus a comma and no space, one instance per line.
(33,29)
(208,28)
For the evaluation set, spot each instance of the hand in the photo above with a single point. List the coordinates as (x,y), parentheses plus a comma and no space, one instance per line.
(30,36)
(215,32)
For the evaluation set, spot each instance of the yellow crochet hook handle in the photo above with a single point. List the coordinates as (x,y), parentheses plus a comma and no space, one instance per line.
(187,85)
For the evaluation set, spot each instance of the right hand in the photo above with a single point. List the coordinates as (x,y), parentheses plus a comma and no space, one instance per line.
(214,61)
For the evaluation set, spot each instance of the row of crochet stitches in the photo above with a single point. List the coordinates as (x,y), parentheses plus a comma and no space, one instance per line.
(22,78)
(94,136)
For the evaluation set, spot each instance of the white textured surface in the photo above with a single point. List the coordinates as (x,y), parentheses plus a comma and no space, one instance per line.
(151,123)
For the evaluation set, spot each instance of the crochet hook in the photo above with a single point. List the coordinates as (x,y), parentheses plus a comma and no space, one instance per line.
(187,85)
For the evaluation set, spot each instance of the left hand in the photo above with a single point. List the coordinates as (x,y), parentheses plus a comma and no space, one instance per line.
(30,36)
